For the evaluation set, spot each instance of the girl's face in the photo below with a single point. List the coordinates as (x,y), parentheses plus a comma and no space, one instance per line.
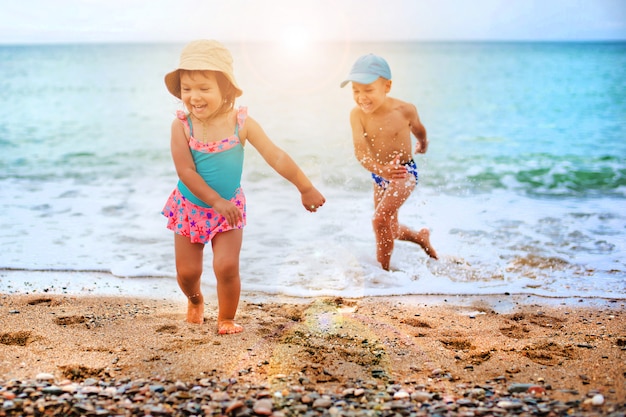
(200,93)
(369,97)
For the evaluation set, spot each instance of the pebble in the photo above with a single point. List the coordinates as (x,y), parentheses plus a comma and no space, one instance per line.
(597,399)
(44,377)
(263,407)
(216,397)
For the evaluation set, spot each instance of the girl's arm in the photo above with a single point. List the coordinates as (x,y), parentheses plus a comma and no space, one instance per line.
(186,170)
(282,163)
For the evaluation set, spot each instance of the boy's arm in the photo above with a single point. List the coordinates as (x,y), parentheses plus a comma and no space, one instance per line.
(363,153)
(418,130)
(361,147)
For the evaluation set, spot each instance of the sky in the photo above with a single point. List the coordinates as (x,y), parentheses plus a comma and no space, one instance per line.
(45,21)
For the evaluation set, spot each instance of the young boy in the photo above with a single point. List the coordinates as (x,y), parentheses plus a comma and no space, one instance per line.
(381,131)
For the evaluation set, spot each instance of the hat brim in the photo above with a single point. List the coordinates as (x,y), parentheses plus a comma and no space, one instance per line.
(172,82)
(361,78)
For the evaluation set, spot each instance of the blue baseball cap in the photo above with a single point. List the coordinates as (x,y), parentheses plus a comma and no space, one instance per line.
(367,69)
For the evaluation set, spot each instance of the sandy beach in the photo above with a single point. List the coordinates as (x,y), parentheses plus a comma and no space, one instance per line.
(574,354)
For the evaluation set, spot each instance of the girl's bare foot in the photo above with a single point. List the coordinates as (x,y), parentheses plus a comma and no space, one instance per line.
(424,241)
(195,309)
(228,327)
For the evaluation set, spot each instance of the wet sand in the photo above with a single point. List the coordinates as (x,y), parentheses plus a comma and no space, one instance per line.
(573,352)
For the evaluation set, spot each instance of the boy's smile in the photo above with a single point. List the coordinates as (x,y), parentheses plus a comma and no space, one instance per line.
(369,97)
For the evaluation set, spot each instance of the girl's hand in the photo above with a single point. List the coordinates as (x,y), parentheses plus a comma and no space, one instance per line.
(229,210)
(312,199)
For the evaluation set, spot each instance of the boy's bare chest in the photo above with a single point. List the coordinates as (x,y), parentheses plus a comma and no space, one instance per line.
(386,127)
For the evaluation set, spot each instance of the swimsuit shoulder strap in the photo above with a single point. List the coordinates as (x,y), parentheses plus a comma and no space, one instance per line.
(185,120)
(242,113)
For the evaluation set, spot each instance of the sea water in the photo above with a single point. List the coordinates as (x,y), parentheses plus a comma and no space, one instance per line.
(523,186)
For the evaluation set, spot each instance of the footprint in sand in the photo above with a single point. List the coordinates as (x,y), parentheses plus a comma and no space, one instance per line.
(22,338)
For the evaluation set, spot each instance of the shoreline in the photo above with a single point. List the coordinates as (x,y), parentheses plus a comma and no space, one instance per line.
(104,284)
(571,353)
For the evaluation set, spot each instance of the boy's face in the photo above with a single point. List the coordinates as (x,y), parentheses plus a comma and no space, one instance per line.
(369,97)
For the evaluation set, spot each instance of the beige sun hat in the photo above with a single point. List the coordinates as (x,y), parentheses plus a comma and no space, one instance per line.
(202,55)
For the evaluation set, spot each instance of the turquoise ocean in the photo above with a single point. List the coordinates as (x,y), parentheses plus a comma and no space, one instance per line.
(523,186)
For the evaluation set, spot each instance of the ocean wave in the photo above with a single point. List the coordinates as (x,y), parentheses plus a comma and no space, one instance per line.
(533,175)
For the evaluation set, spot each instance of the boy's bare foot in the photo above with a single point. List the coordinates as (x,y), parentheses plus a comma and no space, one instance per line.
(195,309)
(228,327)
(424,241)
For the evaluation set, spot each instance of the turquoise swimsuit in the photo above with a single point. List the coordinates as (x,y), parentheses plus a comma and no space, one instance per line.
(220,164)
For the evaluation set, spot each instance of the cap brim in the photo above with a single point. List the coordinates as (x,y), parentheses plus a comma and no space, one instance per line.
(361,78)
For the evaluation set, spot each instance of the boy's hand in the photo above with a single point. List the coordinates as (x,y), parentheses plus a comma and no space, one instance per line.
(312,199)
(393,170)
(421,146)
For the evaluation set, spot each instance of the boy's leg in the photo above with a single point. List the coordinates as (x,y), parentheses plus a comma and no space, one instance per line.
(226,249)
(188,272)
(387,202)
(422,238)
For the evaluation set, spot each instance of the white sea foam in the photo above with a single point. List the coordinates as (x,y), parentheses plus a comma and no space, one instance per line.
(81,199)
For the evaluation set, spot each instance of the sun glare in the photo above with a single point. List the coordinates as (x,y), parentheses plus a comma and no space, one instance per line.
(296,39)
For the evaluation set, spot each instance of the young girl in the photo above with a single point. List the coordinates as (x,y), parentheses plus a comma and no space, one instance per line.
(208,205)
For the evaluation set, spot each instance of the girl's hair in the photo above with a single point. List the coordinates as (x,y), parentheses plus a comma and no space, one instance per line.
(227,89)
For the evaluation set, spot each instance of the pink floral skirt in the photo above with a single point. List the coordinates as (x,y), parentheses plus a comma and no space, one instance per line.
(199,224)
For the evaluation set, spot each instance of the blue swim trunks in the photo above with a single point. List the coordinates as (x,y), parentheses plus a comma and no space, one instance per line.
(411,168)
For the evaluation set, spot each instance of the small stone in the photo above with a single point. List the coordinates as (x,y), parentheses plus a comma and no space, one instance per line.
(536,390)
(43,376)
(421,396)
(90,390)
(597,399)
(52,390)
(235,405)
(519,387)
(401,395)
(70,388)
(322,402)
(510,405)
(476,393)
(7,395)
(263,407)
(157,388)
(306,399)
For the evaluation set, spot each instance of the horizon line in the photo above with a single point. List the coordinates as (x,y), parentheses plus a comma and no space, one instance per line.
(320,41)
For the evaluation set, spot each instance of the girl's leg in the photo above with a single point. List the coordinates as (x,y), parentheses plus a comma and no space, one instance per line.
(188,273)
(226,249)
